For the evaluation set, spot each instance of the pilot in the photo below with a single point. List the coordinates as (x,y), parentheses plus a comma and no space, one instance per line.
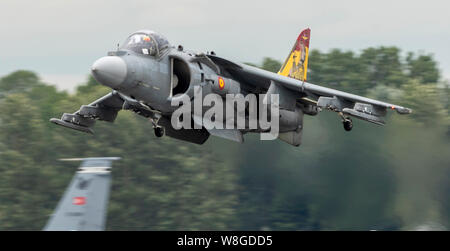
(148,47)
(142,44)
(147,42)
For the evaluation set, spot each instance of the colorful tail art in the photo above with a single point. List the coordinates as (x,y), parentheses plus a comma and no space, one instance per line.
(296,65)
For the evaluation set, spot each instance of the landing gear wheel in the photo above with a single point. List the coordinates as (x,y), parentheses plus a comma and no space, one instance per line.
(348,124)
(159,132)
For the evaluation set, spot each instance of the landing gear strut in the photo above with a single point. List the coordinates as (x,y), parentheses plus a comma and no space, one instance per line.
(347,122)
(159,131)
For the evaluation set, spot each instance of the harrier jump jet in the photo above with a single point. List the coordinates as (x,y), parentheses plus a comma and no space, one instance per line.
(147,74)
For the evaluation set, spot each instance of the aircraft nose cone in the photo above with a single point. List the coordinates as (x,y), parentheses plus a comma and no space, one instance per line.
(110,71)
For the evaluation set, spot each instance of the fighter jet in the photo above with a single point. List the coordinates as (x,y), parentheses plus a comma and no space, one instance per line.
(148,75)
(84,204)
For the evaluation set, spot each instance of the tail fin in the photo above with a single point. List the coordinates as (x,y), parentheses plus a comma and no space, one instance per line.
(296,65)
(83,206)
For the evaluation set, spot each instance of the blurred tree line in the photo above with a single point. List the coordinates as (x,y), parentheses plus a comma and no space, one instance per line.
(392,177)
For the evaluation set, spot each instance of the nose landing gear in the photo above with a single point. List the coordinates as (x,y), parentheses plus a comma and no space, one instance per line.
(159,131)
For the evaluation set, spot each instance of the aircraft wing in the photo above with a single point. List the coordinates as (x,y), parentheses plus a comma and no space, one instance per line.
(104,108)
(256,80)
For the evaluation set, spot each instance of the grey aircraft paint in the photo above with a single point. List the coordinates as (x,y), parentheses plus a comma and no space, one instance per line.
(147,74)
(83,206)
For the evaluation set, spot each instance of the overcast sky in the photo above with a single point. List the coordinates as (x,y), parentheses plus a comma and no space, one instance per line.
(61,39)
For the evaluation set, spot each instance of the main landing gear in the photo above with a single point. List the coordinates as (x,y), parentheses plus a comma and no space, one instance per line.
(347,122)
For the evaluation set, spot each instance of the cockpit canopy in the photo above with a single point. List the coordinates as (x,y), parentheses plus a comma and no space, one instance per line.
(147,43)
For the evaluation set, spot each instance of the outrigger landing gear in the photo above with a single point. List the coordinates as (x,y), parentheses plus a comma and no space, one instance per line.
(347,122)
